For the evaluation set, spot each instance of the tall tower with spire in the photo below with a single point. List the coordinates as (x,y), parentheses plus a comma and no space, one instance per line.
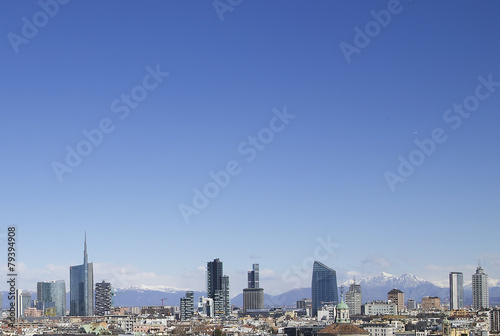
(81,286)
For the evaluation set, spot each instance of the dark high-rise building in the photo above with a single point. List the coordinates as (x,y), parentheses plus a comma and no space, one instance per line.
(51,297)
(103,298)
(253,296)
(81,287)
(187,306)
(253,277)
(218,288)
(214,277)
(324,286)
(456,290)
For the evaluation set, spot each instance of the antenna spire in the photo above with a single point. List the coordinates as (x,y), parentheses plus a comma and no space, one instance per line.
(85,256)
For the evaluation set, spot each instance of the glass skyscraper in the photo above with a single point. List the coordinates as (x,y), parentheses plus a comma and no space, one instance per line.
(324,286)
(51,294)
(456,290)
(81,287)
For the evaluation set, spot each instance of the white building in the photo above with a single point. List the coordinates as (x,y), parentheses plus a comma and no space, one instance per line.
(480,291)
(376,329)
(380,308)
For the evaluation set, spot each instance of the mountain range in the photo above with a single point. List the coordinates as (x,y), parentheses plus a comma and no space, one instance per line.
(373,288)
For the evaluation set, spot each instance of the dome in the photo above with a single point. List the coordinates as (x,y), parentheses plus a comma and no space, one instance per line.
(342,305)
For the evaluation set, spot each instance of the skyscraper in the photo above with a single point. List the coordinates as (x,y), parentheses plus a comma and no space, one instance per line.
(324,286)
(103,296)
(456,290)
(253,277)
(253,296)
(218,288)
(81,287)
(480,291)
(51,294)
(214,277)
(353,299)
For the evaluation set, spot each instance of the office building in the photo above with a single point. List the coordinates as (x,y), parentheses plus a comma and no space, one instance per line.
(431,303)
(324,286)
(22,302)
(206,307)
(353,299)
(480,291)
(103,298)
(412,304)
(253,277)
(304,304)
(495,320)
(253,296)
(81,287)
(456,290)
(51,297)
(398,298)
(218,288)
(187,306)
(380,308)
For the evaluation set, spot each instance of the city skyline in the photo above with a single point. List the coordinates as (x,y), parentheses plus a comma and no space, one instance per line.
(275,133)
(252,278)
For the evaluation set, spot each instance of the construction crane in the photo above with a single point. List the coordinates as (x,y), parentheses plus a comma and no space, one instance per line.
(163,300)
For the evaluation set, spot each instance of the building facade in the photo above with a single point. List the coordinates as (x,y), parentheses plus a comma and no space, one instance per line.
(206,307)
(324,286)
(456,290)
(51,297)
(398,297)
(23,302)
(253,296)
(480,291)
(253,277)
(380,308)
(353,299)
(103,298)
(187,306)
(431,303)
(218,288)
(81,287)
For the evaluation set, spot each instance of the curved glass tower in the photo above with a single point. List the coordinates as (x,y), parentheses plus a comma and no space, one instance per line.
(324,286)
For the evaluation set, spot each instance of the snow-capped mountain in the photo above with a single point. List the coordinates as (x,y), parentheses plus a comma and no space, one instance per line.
(376,287)
(388,280)
(373,288)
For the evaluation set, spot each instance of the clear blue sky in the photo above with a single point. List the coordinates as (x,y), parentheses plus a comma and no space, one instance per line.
(321,177)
